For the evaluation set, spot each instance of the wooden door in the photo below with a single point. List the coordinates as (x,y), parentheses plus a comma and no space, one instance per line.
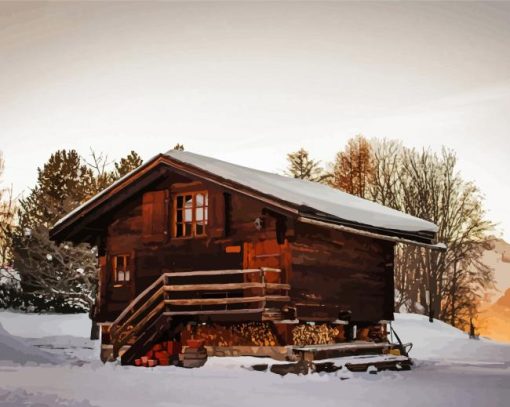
(268,253)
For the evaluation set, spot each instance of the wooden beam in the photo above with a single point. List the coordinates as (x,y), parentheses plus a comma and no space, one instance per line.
(270,270)
(214,301)
(347,229)
(216,312)
(275,286)
(277,298)
(213,287)
(220,272)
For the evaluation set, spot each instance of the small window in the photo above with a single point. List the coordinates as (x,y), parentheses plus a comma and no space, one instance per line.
(120,266)
(190,214)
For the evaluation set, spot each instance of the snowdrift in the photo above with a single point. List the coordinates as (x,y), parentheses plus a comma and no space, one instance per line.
(15,349)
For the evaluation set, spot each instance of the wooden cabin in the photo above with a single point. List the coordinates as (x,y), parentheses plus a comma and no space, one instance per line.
(191,246)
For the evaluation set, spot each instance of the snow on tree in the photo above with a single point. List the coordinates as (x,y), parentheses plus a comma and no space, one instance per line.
(64,273)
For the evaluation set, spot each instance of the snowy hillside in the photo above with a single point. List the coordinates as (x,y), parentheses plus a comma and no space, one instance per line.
(450,369)
(440,341)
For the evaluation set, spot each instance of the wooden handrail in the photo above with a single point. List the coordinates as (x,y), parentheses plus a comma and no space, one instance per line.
(154,298)
(135,302)
(221,272)
(137,308)
(151,302)
(215,312)
(214,301)
(213,287)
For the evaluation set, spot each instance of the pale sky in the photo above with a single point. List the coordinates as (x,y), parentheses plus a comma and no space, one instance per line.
(250,82)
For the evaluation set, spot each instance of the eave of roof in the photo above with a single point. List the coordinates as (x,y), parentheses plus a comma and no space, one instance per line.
(190,163)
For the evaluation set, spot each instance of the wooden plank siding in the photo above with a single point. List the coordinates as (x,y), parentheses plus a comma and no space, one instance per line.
(327,270)
(343,271)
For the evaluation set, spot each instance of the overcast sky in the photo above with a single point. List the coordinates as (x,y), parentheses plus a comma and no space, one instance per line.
(249,82)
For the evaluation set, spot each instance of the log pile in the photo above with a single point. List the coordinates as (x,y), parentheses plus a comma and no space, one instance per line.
(377,333)
(322,334)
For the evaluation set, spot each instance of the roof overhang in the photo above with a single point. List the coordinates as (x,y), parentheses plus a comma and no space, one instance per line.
(66,228)
(373,235)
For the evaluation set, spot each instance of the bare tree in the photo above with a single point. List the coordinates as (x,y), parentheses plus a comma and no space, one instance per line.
(428,186)
(7,217)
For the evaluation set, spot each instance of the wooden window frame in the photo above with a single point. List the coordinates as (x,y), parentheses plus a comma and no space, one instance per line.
(205,215)
(127,267)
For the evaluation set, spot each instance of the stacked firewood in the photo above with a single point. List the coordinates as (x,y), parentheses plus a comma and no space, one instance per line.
(258,334)
(316,334)
(377,333)
(239,334)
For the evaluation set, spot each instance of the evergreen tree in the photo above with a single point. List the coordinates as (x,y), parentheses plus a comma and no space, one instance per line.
(60,277)
(303,167)
(61,274)
(63,183)
(127,164)
(179,147)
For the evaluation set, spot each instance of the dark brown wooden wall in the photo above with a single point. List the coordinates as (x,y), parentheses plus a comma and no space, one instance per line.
(328,268)
(347,271)
(152,256)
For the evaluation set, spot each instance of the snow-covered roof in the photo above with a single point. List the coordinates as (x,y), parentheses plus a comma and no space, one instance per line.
(313,195)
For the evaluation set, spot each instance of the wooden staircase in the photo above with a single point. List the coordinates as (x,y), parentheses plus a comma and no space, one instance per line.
(174,298)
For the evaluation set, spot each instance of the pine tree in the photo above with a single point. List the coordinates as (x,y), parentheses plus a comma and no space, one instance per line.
(353,168)
(68,279)
(179,147)
(127,164)
(63,183)
(303,167)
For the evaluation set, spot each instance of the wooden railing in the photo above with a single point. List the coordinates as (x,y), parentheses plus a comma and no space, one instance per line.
(138,314)
(178,294)
(209,298)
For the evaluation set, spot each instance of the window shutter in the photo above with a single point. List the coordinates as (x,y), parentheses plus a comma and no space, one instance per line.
(155,216)
(216,214)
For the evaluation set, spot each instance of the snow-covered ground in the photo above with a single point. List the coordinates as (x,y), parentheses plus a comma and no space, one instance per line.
(450,370)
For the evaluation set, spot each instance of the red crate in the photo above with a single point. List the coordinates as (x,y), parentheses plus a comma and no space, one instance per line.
(164,361)
(161,355)
(173,348)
